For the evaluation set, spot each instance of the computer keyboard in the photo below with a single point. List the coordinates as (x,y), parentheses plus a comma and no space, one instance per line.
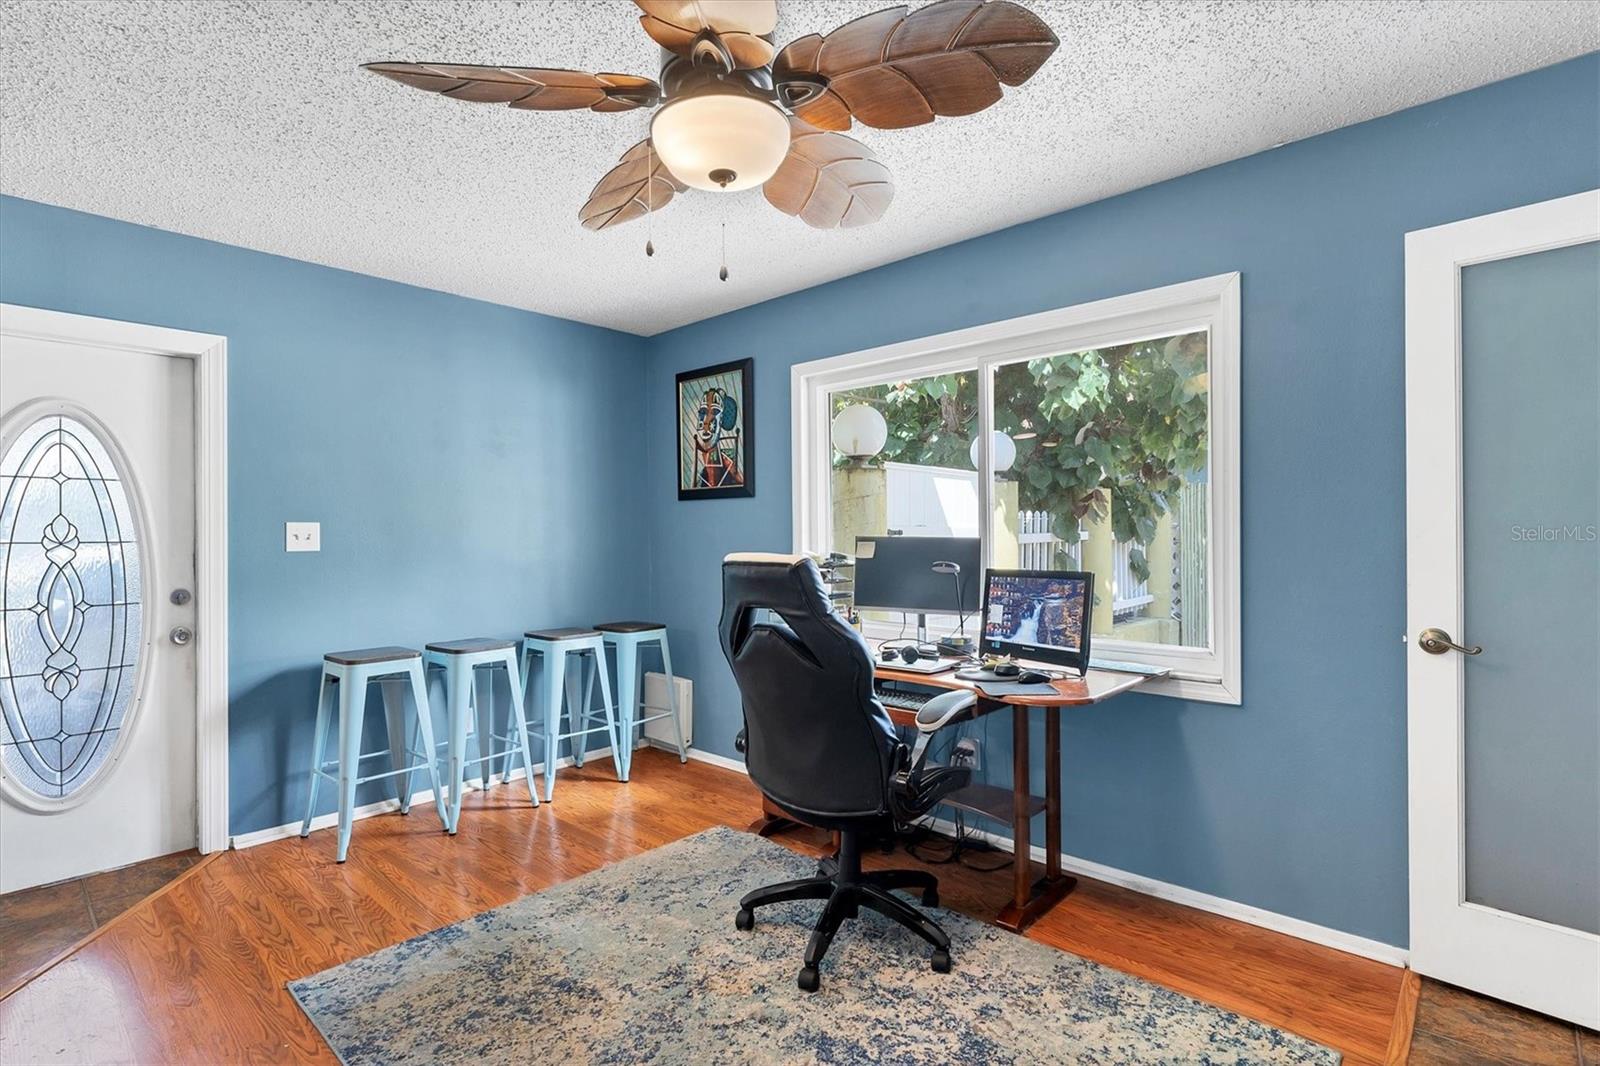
(901,699)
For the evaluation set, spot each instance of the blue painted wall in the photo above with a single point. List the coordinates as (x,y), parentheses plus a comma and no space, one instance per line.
(474,467)
(1295,801)
(476,470)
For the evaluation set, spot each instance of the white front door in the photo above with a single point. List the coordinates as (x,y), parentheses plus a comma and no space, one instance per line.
(1503,577)
(97,552)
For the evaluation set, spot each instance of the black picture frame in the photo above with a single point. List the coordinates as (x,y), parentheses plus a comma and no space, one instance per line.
(730,437)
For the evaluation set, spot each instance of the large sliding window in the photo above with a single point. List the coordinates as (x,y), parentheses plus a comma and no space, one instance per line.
(1102,437)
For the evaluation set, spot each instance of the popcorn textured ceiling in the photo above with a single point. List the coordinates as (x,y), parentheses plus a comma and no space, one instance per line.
(248,122)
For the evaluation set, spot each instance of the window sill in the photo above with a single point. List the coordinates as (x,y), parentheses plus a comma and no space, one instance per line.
(1195,687)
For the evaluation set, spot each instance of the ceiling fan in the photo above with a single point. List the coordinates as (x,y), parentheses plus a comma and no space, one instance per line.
(735,112)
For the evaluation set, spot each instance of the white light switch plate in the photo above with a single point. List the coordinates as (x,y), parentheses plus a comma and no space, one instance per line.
(302,536)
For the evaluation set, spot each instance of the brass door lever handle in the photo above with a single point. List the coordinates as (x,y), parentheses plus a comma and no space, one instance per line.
(1436,641)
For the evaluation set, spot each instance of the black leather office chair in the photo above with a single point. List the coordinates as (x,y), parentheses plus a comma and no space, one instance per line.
(821,747)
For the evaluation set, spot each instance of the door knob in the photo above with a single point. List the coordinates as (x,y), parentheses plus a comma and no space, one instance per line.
(181,635)
(1436,641)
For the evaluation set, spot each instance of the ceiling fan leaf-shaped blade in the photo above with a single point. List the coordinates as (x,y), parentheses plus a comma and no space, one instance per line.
(828,180)
(896,68)
(638,184)
(1012,39)
(826,112)
(525,88)
(756,17)
(672,38)
(863,41)
(950,84)
(749,51)
(798,62)
(869,205)
(932,30)
(741,25)
(799,54)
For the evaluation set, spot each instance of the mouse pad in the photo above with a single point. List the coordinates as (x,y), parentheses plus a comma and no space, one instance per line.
(1014,688)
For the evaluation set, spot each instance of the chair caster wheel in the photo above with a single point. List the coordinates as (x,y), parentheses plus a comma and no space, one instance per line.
(745,919)
(941,961)
(809,981)
(930,898)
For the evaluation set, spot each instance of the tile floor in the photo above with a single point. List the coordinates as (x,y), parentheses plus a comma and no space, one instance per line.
(38,923)
(1460,1028)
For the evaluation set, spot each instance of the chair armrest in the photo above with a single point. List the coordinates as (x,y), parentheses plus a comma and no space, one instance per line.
(945,709)
(918,789)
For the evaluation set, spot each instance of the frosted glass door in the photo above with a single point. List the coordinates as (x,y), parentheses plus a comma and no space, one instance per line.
(1530,430)
(1503,604)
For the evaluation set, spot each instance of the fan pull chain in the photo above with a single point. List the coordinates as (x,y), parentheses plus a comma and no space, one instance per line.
(650,209)
(723,273)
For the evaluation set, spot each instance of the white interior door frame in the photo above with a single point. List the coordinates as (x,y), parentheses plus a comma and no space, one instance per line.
(210,355)
(1538,964)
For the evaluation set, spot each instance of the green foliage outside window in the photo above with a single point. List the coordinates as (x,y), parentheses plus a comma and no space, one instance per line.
(1103,430)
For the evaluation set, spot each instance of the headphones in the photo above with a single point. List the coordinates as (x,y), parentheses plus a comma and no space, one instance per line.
(907,653)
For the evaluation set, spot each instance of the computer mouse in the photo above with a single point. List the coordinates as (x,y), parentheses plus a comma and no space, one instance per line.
(1007,670)
(1032,677)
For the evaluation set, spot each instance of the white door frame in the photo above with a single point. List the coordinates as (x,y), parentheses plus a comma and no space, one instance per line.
(210,355)
(1508,956)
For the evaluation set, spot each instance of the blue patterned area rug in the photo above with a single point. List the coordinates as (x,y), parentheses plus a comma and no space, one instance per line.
(640,962)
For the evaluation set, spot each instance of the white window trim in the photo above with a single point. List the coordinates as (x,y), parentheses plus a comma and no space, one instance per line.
(1211,674)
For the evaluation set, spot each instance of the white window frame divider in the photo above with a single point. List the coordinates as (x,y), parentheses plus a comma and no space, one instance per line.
(1212,674)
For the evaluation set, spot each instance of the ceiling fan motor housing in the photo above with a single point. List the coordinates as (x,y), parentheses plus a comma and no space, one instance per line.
(682,76)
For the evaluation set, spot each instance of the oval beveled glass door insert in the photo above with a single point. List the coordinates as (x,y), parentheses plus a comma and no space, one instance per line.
(70,567)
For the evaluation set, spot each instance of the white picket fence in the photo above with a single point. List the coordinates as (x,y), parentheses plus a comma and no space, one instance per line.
(1038,548)
(1191,605)
(1128,593)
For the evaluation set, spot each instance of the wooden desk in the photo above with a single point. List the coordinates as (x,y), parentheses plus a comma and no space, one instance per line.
(1029,898)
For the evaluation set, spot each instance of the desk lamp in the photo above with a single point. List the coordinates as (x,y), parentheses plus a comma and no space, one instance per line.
(960,646)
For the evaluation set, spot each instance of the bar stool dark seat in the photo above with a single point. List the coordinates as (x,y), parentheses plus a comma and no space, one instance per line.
(395,669)
(545,651)
(627,638)
(461,663)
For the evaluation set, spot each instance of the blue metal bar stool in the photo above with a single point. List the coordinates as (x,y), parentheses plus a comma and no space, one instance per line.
(395,670)
(459,661)
(627,638)
(552,646)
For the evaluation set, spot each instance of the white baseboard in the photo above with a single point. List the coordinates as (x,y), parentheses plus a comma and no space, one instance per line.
(1202,901)
(384,806)
(1149,886)
(736,765)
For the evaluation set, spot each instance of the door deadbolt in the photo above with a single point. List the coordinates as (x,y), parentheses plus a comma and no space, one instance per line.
(180,597)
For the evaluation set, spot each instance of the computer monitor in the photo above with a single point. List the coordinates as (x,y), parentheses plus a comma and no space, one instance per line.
(897,574)
(1042,615)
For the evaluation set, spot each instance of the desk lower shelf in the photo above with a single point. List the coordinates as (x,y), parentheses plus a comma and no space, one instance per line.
(992,801)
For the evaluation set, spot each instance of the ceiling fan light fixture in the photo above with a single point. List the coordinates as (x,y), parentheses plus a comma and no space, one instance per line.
(704,138)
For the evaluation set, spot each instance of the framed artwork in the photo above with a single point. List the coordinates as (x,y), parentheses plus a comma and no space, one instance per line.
(716,432)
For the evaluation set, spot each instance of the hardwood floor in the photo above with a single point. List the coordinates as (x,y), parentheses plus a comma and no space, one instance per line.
(198,974)
(36,924)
